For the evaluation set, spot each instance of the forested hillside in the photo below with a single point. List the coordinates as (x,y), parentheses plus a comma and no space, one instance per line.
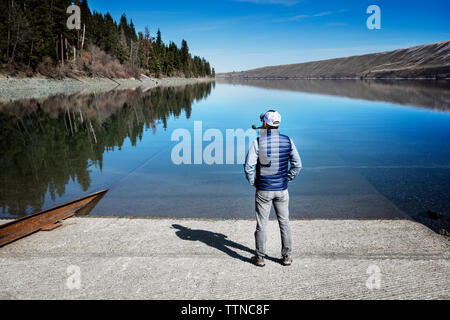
(35,39)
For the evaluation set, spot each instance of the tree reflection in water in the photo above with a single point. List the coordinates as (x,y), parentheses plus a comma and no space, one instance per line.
(45,143)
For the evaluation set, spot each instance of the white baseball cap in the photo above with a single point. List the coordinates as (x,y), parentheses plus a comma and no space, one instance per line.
(272,118)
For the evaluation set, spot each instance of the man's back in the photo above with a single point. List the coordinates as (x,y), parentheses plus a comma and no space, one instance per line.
(273,176)
(267,163)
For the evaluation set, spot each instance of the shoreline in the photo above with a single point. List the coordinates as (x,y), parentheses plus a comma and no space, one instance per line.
(12,89)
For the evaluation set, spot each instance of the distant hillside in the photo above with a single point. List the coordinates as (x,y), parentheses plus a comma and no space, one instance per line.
(425,61)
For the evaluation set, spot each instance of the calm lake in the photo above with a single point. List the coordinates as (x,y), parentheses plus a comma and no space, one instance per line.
(373,149)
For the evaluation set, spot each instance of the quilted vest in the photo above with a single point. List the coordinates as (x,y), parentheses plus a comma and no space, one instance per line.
(273,161)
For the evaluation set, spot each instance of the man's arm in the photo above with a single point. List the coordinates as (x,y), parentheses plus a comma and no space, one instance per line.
(296,163)
(250,162)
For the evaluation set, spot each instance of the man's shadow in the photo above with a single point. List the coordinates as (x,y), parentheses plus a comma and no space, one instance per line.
(216,240)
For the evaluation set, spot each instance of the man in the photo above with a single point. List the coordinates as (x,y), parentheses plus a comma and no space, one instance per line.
(267,169)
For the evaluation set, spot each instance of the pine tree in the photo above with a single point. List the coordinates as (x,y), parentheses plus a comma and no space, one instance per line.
(155,65)
(4,27)
(32,31)
(18,32)
(133,36)
(42,40)
(185,59)
(158,39)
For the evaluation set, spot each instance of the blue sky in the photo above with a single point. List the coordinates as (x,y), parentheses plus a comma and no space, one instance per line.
(238,35)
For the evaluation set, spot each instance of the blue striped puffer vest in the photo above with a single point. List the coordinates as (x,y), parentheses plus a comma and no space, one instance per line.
(272,170)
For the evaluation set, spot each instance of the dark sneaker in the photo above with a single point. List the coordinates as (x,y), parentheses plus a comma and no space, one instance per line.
(258,261)
(286,261)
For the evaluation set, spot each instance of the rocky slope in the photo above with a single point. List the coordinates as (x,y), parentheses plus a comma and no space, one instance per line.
(425,61)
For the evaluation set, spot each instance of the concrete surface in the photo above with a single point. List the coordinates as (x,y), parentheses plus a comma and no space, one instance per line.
(121,258)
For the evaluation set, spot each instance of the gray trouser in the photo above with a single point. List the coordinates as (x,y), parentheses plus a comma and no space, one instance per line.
(263,204)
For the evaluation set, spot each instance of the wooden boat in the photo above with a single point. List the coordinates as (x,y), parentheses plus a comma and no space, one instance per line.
(48,219)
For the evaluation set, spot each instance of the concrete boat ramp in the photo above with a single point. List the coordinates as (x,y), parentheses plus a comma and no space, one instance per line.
(122,258)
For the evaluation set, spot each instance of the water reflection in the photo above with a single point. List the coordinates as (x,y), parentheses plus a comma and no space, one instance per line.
(47,143)
(421,93)
(362,160)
